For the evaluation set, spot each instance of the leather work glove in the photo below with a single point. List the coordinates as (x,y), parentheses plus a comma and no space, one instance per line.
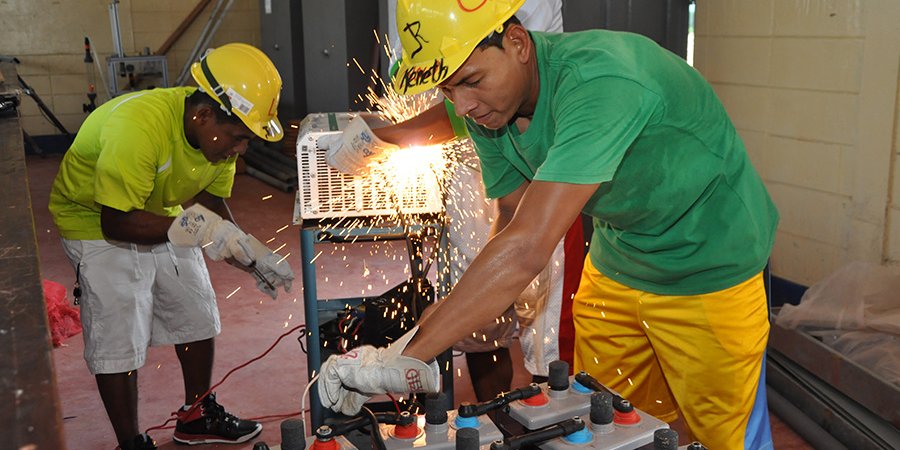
(220,238)
(271,269)
(355,149)
(347,381)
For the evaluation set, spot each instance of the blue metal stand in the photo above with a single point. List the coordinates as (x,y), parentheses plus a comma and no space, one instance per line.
(313,307)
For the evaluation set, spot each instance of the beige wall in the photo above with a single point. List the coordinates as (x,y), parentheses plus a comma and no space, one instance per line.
(48,36)
(812,88)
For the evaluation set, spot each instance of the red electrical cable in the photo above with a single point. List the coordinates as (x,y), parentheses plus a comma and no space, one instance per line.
(165,425)
(396,405)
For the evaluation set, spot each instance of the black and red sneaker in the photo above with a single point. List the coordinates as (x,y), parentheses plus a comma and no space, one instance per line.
(139,442)
(209,423)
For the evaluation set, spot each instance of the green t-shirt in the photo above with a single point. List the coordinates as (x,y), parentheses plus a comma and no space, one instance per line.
(132,154)
(680,209)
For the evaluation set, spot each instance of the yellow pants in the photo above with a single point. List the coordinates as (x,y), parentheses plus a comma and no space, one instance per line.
(702,355)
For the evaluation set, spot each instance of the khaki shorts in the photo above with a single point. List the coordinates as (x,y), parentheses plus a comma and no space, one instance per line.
(134,296)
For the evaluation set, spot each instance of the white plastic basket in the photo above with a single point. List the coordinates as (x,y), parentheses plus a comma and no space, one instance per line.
(324,192)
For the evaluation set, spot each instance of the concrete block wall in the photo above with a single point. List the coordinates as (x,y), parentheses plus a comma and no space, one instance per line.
(812,86)
(48,35)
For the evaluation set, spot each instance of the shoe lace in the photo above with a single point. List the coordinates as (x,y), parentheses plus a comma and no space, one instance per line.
(214,411)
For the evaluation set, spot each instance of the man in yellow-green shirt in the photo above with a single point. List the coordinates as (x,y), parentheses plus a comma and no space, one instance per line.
(117,202)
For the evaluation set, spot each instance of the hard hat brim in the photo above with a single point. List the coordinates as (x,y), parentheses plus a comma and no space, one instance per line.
(270,131)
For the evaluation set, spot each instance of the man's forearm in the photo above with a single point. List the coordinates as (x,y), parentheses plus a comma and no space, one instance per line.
(146,228)
(431,127)
(139,227)
(540,217)
(493,282)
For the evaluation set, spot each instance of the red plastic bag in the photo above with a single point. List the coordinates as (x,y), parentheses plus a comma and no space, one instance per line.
(64,319)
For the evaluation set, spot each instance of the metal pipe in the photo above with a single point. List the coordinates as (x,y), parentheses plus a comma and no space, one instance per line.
(116,31)
(274,154)
(264,177)
(269,168)
(195,52)
(275,163)
(799,422)
(311,311)
(217,23)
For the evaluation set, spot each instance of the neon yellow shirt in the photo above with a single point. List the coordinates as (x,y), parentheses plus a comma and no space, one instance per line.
(679,209)
(132,154)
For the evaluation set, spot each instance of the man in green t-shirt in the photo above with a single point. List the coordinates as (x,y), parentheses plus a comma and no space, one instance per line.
(141,278)
(672,310)
(540,320)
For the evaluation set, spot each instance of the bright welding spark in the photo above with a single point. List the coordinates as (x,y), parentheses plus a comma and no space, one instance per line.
(282,228)
(359,66)
(285,257)
(267,197)
(233,292)
(316,257)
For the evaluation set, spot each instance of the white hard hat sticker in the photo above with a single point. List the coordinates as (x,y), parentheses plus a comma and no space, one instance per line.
(238,101)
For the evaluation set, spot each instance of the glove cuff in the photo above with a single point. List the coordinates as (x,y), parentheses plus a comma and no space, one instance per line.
(359,134)
(411,374)
(189,229)
(359,146)
(256,248)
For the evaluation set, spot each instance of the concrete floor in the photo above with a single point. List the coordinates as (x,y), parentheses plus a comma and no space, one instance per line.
(251,322)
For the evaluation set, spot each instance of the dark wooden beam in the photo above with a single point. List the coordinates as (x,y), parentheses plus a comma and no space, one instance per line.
(182,27)
(30,417)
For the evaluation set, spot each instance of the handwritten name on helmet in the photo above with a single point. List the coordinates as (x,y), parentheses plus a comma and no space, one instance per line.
(415,76)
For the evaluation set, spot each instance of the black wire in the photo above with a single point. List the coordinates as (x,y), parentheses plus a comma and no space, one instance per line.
(300,339)
(437,245)
(375,431)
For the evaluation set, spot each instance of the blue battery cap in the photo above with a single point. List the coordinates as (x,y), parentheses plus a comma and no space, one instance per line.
(582,436)
(466,422)
(580,388)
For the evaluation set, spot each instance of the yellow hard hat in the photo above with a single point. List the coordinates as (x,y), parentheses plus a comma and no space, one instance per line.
(439,35)
(245,82)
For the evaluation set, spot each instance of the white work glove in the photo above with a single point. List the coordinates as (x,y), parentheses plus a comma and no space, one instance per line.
(355,149)
(272,270)
(220,238)
(347,381)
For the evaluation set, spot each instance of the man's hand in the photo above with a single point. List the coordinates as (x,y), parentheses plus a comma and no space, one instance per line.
(347,381)
(271,270)
(355,149)
(220,239)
